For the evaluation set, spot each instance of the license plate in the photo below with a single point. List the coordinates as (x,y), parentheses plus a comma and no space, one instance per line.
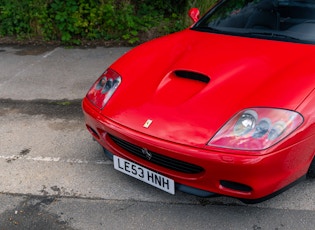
(137,171)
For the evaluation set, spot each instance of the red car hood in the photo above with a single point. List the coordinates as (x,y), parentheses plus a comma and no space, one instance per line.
(233,73)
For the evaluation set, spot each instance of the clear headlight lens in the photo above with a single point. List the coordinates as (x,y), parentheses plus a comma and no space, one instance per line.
(257,129)
(245,123)
(103,88)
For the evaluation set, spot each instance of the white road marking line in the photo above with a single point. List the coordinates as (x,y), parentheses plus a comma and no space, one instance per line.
(23,70)
(34,63)
(56,159)
(49,53)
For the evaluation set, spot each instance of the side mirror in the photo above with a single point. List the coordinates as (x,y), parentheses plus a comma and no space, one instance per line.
(194,14)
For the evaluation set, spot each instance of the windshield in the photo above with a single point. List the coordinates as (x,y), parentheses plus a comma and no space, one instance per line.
(288,20)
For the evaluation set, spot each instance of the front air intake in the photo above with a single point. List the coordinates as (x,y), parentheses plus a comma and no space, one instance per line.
(192,75)
(157,158)
(235,186)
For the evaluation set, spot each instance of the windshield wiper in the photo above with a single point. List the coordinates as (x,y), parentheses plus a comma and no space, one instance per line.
(250,33)
(207,29)
(273,35)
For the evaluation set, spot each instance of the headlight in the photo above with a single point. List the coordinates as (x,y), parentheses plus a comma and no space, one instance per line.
(103,88)
(256,129)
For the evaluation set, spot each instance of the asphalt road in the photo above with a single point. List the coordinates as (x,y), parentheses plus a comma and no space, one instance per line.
(54,176)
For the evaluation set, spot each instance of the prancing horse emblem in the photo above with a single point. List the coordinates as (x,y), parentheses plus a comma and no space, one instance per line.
(147,123)
(147,154)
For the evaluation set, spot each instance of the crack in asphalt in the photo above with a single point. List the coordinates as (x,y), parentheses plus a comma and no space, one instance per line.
(52,109)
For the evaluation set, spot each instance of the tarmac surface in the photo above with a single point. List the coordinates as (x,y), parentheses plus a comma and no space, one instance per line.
(29,73)
(54,176)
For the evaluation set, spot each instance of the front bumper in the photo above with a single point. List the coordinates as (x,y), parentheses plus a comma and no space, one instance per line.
(179,187)
(247,177)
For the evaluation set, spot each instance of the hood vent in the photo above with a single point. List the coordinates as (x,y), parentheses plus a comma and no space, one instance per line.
(192,75)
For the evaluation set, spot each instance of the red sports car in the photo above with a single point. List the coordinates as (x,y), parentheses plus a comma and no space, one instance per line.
(225,107)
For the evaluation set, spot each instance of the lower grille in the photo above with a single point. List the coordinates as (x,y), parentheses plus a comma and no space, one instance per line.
(156,158)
